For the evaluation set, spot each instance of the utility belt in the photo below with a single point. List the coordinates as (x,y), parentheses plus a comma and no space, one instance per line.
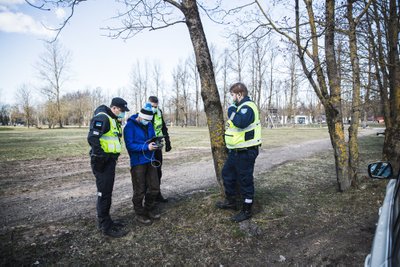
(243,149)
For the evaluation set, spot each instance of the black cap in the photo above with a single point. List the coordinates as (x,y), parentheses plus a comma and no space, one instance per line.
(119,102)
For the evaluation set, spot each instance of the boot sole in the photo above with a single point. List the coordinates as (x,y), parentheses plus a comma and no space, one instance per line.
(233,219)
(226,208)
(144,222)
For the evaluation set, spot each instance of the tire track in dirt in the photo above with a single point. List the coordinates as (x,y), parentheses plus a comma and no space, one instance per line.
(39,191)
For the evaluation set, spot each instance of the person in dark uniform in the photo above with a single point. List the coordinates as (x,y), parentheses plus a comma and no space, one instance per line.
(138,135)
(242,138)
(160,129)
(105,140)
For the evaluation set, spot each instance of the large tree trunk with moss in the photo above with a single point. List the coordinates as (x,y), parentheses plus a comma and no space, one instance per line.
(333,105)
(356,101)
(209,90)
(331,99)
(336,134)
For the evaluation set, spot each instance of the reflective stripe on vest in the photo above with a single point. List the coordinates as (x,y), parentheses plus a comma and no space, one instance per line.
(158,123)
(109,141)
(235,137)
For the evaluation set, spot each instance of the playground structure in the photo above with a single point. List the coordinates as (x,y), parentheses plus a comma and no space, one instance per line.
(274,119)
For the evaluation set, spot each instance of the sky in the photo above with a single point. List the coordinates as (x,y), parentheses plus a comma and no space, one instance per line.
(96,60)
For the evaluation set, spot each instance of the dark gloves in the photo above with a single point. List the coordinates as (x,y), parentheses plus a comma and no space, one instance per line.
(98,163)
(167,146)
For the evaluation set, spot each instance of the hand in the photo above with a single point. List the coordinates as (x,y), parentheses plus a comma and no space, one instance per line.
(233,105)
(152,146)
(168,146)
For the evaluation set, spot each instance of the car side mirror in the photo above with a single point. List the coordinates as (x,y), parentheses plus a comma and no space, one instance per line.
(380,170)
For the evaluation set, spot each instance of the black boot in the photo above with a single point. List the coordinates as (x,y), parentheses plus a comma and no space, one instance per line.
(244,214)
(114,232)
(228,203)
(161,199)
(143,219)
(154,214)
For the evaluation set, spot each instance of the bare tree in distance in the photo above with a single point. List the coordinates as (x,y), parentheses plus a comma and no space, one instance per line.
(138,85)
(258,49)
(194,75)
(97,98)
(177,74)
(271,78)
(238,55)
(225,67)
(157,80)
(78,108)
(24,97)
(4,114)
(53,71)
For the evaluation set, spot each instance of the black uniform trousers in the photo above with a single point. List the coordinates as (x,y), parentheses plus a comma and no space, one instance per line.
(105,185)
(239,168)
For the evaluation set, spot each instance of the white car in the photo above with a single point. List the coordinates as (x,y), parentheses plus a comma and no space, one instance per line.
(385,249)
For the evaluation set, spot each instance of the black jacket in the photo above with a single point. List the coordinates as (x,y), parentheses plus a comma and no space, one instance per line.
(99,125)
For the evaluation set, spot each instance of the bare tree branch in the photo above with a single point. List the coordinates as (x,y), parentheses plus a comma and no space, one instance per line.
(38,7)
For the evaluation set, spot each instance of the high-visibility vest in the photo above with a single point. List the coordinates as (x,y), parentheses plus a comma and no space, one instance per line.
(235,137)
(109,141)
(157,123)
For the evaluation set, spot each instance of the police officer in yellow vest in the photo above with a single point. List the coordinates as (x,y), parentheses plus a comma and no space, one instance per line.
(161,130)
(242,138)
(105,140)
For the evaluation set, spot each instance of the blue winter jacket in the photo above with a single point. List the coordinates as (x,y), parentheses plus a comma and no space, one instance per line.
(136,137)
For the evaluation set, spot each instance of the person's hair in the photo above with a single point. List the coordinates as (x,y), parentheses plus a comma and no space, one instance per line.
(239,88)
(153,99)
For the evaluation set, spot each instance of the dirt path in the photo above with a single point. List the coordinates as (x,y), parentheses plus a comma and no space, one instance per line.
(37,191)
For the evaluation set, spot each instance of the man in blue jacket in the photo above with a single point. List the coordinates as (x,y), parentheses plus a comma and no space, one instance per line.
(138,133)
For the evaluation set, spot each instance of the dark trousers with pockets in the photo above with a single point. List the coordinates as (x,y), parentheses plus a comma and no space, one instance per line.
(105,185)
(239,168)
(159,157)
(146,187)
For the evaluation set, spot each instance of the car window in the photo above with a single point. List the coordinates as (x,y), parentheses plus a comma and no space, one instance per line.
(396,227)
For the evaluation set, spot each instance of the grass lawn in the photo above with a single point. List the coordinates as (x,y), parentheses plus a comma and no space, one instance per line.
(23,144)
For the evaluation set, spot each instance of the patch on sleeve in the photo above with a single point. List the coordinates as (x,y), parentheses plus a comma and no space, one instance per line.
(243,110)
(98,124)
(96,133)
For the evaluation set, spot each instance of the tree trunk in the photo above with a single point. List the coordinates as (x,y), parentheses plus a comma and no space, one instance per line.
(333,106)
(209,90)
(330,99)
(392,134)
(356,103)
(59,116)
(336,133)
(381,73)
